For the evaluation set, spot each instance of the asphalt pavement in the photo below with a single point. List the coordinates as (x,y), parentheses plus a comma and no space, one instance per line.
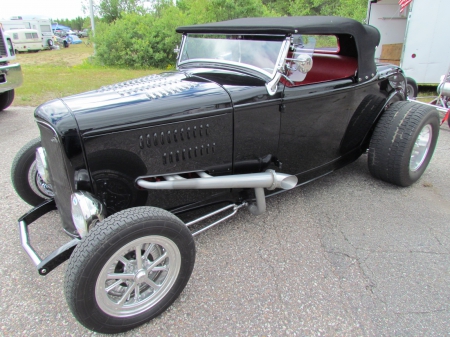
(346,255)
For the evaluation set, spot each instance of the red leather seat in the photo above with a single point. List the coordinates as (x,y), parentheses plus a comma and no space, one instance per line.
(329,67)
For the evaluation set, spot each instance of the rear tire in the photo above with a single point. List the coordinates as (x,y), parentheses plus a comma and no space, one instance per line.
(6,99)
(129,269)
(403,143)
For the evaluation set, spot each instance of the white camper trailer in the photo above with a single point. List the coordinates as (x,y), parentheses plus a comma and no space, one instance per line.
(25,40)
(416,39)
(43,26)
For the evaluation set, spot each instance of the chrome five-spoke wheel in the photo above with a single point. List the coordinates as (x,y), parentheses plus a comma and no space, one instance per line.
(128,269)
(138,276)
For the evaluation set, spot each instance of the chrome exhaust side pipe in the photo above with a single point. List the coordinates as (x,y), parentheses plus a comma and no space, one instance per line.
(269,179)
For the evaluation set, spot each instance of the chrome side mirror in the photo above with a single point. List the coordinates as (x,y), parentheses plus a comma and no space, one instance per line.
(302,63)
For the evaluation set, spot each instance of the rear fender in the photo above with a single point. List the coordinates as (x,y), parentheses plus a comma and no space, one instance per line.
(395,96)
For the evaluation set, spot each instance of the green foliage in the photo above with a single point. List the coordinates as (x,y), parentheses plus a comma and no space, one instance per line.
(148,40)
(139,41)
(355,9)
(131,37)
(112,10)
(77,24)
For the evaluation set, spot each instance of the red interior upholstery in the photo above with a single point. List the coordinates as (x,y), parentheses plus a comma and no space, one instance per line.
(329,67)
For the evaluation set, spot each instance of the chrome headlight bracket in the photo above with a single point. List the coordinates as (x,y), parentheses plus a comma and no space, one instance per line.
(86,211)
(42,165)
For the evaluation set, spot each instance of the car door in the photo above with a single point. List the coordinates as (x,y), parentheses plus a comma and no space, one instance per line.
(313,121)
(256,127)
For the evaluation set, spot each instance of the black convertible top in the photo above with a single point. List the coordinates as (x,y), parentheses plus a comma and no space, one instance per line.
(280,25)
(350,33)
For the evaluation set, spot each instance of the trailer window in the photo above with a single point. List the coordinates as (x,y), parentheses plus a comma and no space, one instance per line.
(46,29)
(15,36)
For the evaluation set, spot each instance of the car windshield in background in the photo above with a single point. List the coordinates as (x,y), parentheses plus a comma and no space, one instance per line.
(255,52)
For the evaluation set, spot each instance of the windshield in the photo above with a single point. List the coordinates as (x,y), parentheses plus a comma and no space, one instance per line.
(254,51)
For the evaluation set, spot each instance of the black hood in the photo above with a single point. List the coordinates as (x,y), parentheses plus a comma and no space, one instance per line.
(148,100)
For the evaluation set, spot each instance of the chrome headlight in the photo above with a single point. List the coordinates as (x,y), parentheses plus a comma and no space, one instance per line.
(86,211)
(42,165)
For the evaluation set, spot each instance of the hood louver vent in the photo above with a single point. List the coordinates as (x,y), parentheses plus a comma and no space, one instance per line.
(154,86)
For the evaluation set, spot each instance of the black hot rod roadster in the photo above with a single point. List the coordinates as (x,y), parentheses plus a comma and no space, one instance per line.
(256,106)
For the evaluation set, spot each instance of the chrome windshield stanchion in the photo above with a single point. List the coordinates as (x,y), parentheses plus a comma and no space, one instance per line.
(272,85)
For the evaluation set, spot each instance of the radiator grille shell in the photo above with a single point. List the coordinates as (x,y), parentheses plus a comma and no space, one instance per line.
(61,172)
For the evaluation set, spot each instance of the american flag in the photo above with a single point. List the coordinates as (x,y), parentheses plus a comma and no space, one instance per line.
(403,4)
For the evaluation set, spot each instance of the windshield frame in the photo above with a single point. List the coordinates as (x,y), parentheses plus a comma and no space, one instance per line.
(213,63)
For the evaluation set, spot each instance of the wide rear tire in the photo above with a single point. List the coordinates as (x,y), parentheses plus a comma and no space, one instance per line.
(403,143)
(129,269)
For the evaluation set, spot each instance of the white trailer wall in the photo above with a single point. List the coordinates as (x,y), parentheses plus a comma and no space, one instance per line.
(427,37)
(422,28)
(392,25)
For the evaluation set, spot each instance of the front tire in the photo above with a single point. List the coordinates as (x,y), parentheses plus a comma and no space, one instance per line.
(6,99)
(129,269)
(412,90)
(25,178)
(403,143)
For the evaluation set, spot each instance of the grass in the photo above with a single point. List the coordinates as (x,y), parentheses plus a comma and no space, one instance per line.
(51,74)
(426,93)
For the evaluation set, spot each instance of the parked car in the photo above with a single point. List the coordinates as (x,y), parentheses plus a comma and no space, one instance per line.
(254,108)
(65,39)
(83,33)
(61,38)
(11,76)
(73,39)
